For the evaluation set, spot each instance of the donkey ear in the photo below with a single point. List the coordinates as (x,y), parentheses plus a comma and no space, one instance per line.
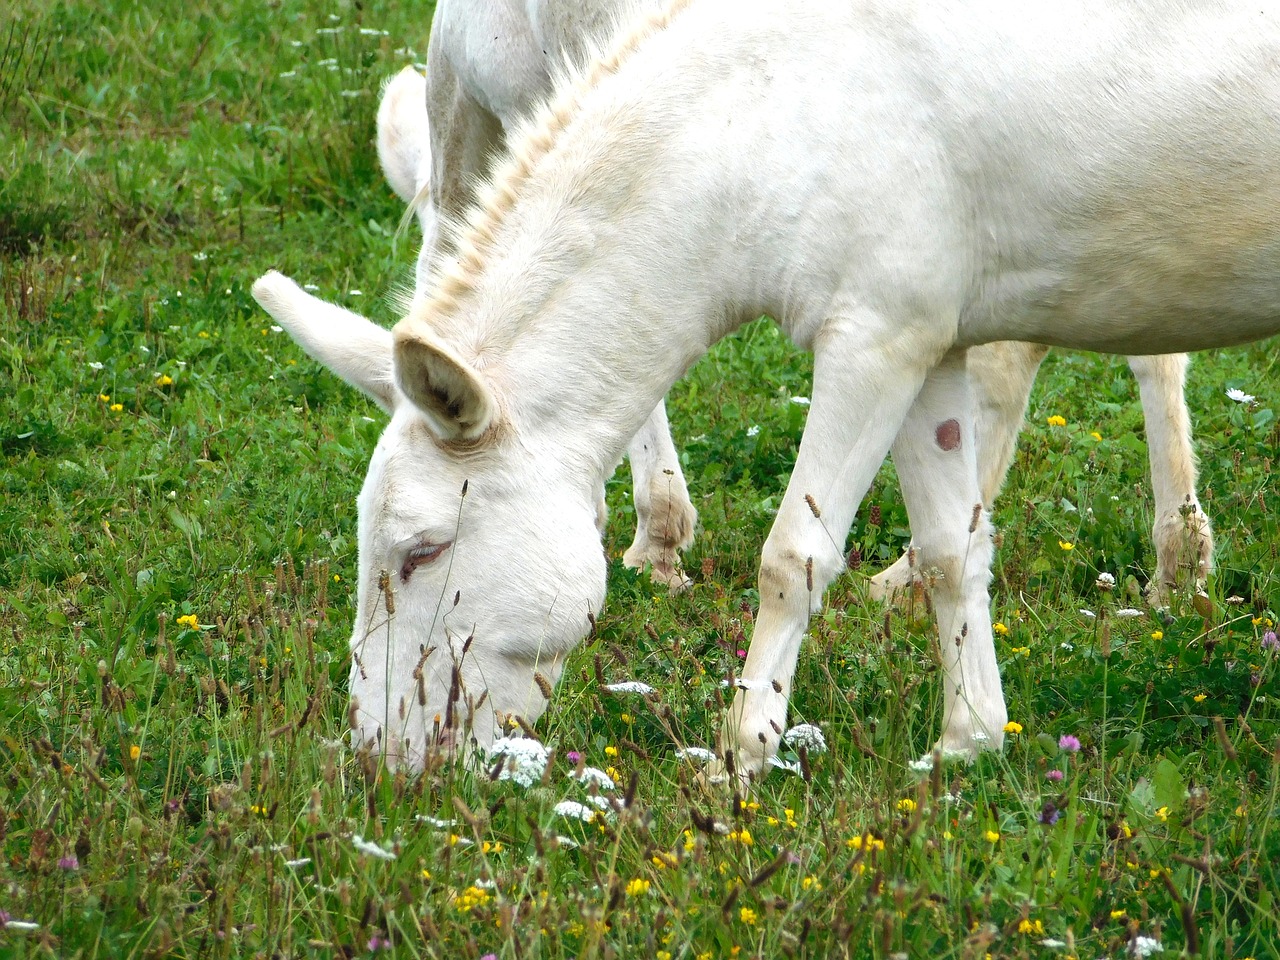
(404,145)
(356,349)
(452,394)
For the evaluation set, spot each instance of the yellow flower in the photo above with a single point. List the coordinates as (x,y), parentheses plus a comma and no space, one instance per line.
(1066,545)
(662,955)
(189,621)
(1157,634)
(337,579)
(627,718)
(811,883)
(1095,434)
(1031,927)
(488,847)
(471,898)
(906,805)
(164,380)
(135,751)
(426,874)
(1013,726)
(742,836)
(116,407)
(1241,812)
(1163,814)
(1200,697)
(1025,651)
(104,397)
(747,916)
(611,751)
(258,810)
(1117,914)
(203,335)
(999,629)
(637,887)
(992,836)
(1056,421)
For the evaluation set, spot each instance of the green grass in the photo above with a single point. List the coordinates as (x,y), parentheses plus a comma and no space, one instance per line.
(175,791)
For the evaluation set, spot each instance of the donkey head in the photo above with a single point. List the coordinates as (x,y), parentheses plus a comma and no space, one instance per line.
(480,560)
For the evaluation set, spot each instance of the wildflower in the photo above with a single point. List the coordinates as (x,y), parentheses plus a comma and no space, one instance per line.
(999,629)
(472,897)
(1069,743)
(135,751)
(1146,946)
(116,407)
(1096,435)
(610,751)
(1013,727)
(1200,697)
(1239,396)
(923,765)
(628,718)
(104,397)
(378,942)
(573,756)
(1157,634)
(1269,641)
(629,686)
(906,805)
(258,810)
(526,759)
(811,883)
(1066,545)
(189,621)
(701,754)
(164,380)
(805,735)
(747,916)
(370,849)
(1049,814)
(69,863)
(753,431)
(1054,775)
(993,836)
(637,887)
(1117,914)
(1032,927)
(742,836)
(1162,814)
(1128,613)
(355,293)
(591,775)
(571,808)
(1056,421)
(1025,651)
(1088,613)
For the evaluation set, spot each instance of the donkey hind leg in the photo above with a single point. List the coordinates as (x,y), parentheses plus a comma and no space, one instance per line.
(866,376)
(1181,533)
(665,517)
(1000,375)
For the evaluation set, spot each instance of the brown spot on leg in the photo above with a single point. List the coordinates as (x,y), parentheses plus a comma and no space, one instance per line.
(948,434)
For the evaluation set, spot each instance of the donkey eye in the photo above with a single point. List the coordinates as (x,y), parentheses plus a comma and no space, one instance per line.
(422,554)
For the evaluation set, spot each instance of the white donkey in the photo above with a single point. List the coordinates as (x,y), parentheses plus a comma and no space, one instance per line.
(491,62)
(896,183)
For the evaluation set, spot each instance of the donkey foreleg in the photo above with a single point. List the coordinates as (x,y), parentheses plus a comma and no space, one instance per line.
(1001,375)
(862,389)
(1181,532)
(665,517)
(936,458)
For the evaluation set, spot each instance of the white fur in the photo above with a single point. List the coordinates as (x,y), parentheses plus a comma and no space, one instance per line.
(895,183)
(490,63)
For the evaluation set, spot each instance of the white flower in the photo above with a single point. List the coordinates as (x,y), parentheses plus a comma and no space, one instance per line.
(601,803)
(1088,613)
(594,775)
(1106,581)
(27,925)
(1145,946)
(276,328)
(696,753)
(370,32)
(200,255)
(805,735)
(789,765)
(572,808)
(1066,646)
(752,431)
(1127,613)
(294,864)
(567,842)
(800,401)
(371,849)
(1053,944)
(978,737)
(923,765)
(526,759)
(1239,396)
(310,286)
(355,293)
(436,822)
(95,365)
(629,686)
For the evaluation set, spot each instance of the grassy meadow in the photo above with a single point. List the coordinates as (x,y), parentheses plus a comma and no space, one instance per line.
(177,538)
